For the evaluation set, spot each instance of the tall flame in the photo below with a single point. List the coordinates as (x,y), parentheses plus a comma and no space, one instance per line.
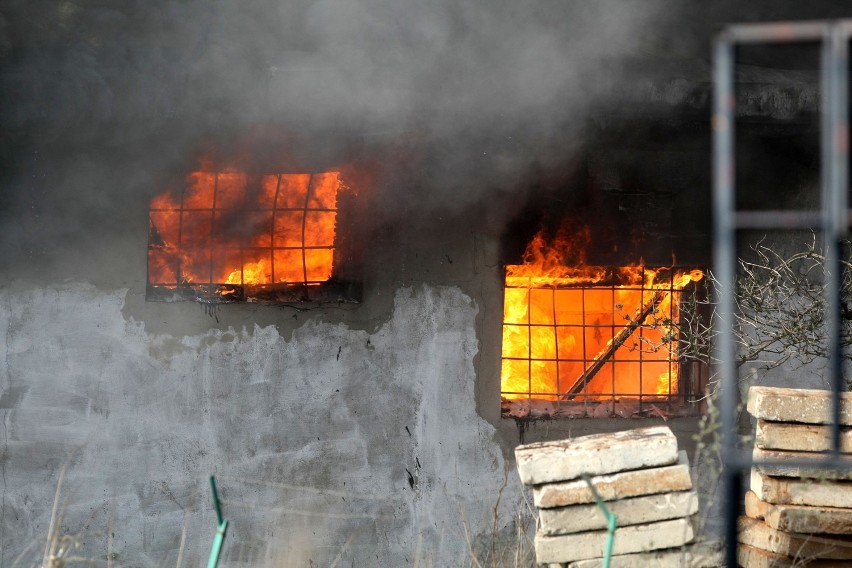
(579,331)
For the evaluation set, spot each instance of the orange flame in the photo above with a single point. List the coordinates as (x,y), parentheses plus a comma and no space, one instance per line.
(579,331)
(232,228)
(251,273)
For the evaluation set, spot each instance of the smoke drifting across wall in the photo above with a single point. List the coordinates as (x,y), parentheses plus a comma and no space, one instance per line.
(104,103)
(453,105)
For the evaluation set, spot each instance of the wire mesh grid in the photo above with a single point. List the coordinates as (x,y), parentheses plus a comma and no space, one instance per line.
(224,230)
(588,344)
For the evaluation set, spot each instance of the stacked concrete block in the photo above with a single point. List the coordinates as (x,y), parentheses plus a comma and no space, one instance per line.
(643,480)
(797,513)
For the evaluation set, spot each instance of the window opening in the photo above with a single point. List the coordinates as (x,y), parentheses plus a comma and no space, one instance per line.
(228,236)
(576,338)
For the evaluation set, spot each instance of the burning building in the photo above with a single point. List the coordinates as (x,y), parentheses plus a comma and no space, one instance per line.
(592,334)
(293,245)
(227,237)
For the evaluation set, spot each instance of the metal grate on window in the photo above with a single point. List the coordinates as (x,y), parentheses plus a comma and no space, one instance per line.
(229,236)
(575,340)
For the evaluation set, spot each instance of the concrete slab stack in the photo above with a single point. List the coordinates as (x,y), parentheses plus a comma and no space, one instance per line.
(642,479)
(797,514)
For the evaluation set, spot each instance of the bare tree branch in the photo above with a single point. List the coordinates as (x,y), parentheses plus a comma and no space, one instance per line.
(779,311)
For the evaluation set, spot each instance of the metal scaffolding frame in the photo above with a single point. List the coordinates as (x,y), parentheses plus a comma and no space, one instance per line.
(832,220)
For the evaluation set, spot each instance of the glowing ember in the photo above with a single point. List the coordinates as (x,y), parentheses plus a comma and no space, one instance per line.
(251,273)
(577,332)
(229,228)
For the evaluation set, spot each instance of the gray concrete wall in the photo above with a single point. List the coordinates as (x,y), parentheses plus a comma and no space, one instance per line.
(365,434)
(329,443)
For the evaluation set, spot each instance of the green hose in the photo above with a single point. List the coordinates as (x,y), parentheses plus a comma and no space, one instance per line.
(221,528)
(612,522)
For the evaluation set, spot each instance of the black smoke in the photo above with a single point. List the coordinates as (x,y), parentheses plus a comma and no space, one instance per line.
(450,105)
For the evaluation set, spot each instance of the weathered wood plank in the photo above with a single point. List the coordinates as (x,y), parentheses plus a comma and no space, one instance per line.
(616,486)
(792,491)
(596,454)
(751,557)
(809,406)
(697,555)
(799,437)
(632,511)
(799,518)
(785,465)
(636,538)
(794,545)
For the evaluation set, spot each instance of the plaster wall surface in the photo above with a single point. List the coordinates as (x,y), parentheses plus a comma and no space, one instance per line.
(330,446)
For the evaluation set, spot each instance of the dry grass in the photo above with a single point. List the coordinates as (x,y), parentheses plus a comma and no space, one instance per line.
(59,547)
(509,543)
